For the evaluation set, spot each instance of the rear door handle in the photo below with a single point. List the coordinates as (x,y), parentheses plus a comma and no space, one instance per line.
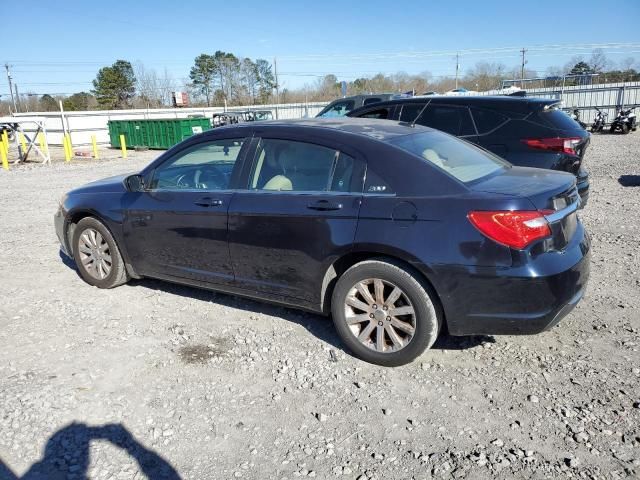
(324,205)
(208,202)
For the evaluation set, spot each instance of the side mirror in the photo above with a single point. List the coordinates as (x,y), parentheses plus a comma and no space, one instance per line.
(135,183)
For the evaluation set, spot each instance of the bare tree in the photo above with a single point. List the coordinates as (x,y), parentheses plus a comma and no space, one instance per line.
(598,61)
(485,76)
(627,63)
(166,85)
(147,86)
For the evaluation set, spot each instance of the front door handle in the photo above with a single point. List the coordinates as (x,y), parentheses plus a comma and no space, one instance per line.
(208,202)
(324,205)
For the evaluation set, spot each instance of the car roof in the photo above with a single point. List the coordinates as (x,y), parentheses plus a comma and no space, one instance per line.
(377,129)
(524,104)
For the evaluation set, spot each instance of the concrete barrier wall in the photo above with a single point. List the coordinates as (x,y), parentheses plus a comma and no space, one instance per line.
(82,125)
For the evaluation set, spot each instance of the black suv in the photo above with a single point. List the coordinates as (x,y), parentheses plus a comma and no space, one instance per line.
(528,132)
(342,106)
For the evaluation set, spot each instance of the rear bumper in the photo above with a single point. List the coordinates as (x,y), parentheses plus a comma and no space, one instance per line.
(484,302)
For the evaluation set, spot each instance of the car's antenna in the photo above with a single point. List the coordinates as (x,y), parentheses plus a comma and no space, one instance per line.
(413,124)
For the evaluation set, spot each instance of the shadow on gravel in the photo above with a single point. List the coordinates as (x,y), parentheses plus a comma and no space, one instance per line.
(66,454)
(449,342)
(318,325)
(629,180)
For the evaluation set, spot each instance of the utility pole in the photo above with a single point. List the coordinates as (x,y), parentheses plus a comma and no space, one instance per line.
(13,100)
(17,102)
(524,62)
(275,69)
(457,68)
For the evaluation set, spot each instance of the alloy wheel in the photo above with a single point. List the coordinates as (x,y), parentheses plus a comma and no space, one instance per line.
(380,315)
(95,255)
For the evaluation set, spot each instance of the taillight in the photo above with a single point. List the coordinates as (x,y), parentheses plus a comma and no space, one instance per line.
(558,144)
(515,229)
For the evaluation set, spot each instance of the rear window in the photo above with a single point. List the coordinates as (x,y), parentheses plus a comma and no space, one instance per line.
(457,158)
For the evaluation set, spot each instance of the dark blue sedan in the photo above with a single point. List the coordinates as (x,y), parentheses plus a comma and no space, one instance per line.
(396,230)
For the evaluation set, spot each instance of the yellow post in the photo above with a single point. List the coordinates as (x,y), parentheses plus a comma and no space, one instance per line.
(5,141)
(3,154)
(95,147)
(67,147)
(123,146)
(43,142)
(23,143)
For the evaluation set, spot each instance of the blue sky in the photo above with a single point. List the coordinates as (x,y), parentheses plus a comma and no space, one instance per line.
(58,49)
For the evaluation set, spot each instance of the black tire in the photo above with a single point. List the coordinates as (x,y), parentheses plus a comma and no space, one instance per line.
(427,318)
(612,129)
(117,274)
(625,128)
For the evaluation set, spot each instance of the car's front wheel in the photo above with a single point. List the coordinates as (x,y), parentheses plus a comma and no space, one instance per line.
(96,255)
(383,313)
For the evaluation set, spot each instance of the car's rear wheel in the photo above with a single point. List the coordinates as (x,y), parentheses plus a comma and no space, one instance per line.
(96,255)
(383,313)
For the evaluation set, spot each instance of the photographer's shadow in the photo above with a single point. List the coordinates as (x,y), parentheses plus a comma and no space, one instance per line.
(66,454)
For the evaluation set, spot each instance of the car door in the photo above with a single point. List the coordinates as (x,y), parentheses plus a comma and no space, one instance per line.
(297,215)
(177,227)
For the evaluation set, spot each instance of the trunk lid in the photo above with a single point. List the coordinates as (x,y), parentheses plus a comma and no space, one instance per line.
(551,192)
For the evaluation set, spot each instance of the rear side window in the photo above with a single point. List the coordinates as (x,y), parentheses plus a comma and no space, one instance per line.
(556,118)
(285,165)
(457,158)
(487,120)
(369,101)
(410,112)
(448,118)
(380,113)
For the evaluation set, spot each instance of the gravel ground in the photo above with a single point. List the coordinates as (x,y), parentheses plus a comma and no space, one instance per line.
(152,380)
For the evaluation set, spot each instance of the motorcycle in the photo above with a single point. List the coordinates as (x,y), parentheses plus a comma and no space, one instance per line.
(599,122)
(625,121)
(576,116)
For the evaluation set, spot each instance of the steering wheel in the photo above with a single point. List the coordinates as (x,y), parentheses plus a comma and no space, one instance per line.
(210,178)
(181,182)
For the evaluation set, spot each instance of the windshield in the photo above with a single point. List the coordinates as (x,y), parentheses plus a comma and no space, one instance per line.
(457,158)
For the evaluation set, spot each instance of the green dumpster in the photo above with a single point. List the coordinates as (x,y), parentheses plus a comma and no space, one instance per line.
(159,134)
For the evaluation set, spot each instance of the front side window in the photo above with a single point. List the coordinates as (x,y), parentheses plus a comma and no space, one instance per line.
(447,118)
(285,165)
(457,158)
(339,109)
(205,166)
